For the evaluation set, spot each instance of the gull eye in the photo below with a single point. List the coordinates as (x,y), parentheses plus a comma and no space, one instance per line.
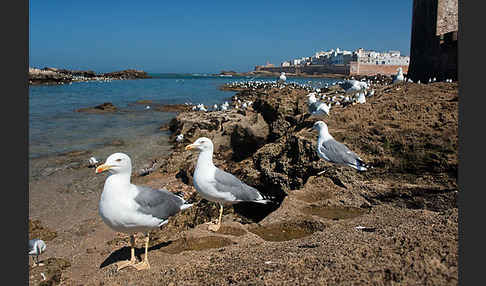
(118,160)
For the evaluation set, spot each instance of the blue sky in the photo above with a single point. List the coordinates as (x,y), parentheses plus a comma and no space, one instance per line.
(207,36)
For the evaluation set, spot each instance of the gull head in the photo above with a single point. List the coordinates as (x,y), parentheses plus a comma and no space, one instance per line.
(201,144)
(116,163)
(320,126)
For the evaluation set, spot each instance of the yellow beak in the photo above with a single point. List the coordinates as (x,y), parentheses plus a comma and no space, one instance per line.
(102,168)
(190,146)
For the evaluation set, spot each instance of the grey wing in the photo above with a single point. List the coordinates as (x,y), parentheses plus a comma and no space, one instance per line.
(31,245)
(346,85)
(313,107)
(158,203)
(226,182)
(338,153)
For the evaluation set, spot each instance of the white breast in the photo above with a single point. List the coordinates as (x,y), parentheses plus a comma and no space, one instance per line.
(118,210)
(204,183)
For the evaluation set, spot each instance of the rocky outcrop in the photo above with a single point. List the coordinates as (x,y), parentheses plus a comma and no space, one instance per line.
(49,75)
(127,74)
(272,147)
(102,108)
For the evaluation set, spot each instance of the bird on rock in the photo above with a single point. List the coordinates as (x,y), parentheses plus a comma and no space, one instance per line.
(129,208)
(336,152)
(216,185)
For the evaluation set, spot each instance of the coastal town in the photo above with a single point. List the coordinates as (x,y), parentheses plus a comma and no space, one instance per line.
(343,57)
(344,62)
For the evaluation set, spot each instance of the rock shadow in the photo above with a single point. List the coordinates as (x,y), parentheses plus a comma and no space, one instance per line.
(255,212)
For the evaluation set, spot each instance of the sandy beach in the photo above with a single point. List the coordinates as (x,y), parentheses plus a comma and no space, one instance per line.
(396,224)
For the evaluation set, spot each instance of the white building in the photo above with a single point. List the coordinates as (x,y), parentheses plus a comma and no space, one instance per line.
(339,57)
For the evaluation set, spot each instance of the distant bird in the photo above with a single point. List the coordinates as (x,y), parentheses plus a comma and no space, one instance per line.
(353,85)
(92,161)
(147,107)
(370,93)
(129,208)
(361,97)
(36,247)
(180,137)
(317,107)
(201,107)
(336,152)
(399,76)
(215,107)
(282,78)
(216,185)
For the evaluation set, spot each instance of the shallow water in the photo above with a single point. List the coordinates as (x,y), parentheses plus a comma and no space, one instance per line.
(55,126)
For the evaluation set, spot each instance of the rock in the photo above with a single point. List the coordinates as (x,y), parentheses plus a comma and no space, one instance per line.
(173,108)
(127,74)
(50,75)
(36,230)
(102,108)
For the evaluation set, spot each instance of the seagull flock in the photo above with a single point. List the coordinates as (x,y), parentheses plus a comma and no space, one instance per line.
(129,208)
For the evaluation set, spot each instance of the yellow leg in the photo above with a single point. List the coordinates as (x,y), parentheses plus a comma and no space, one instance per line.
(218,225)
(145,263)
(122,264)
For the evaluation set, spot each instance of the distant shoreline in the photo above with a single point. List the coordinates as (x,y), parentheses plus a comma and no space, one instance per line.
(54,76)
(258,74)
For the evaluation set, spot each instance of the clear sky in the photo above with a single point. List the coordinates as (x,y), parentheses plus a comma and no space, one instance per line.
(207,36)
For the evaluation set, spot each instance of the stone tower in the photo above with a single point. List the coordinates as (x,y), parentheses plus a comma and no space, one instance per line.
(433,45)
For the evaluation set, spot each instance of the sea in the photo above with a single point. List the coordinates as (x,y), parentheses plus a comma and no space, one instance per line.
(55,127)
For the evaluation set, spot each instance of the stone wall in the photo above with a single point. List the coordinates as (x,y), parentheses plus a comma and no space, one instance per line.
(432,52)
(354,68)
(370,69)
(311,70)
(447,18)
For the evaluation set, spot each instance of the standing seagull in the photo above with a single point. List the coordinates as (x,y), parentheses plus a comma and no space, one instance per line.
(399,76)
(129,208)
(216,185)
(36,247)
(282,78)
(334,151)
(317,107)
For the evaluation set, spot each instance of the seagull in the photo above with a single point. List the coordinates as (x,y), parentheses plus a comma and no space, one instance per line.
(92,161)
(317,107)
(399,76)
(129,208)
(336,152)
(361,98)
(36,247)
(353,85)
(282,78)
(216,185)
(370,93)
